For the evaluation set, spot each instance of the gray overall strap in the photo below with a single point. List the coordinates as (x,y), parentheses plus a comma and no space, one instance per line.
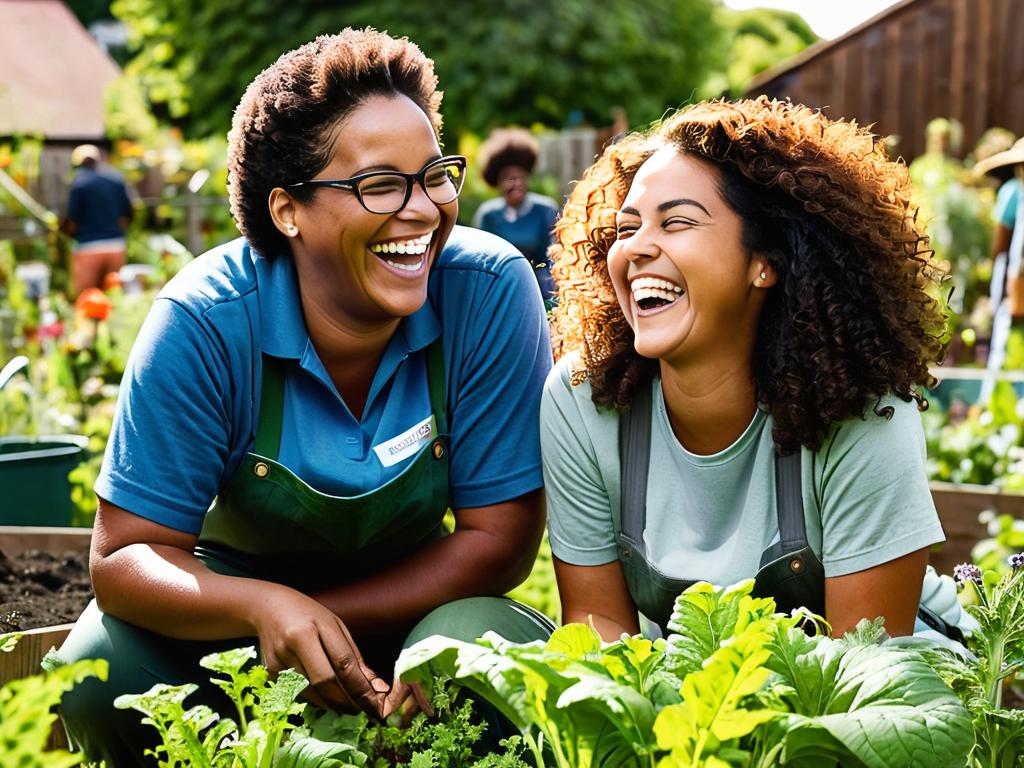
(790,503)
(634,460)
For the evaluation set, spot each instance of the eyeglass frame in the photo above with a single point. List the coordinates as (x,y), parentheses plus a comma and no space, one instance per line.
(352,184)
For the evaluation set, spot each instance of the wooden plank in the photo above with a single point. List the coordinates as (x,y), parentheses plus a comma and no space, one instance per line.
(15,539)
(959,507)
(24,660)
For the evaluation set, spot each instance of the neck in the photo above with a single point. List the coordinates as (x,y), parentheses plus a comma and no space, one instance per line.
(710,404)
(350,350)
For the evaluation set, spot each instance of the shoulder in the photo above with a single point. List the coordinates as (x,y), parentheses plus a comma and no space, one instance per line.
(476,251)
(490,207)
(568,398)
(542,201)
(220,276)
(889,431)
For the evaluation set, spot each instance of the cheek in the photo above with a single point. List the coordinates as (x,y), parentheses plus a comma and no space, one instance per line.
(618,268)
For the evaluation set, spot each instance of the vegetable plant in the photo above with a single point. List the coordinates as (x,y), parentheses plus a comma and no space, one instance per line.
(27,716)
(272,728)
(735,684)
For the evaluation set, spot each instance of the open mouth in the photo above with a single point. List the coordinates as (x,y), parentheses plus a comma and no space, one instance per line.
(404,256)
(653,294)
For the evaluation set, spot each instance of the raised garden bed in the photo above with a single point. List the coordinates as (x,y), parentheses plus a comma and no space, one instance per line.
(958,507)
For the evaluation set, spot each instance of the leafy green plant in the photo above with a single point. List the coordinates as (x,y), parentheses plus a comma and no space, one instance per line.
(273,729)
(26,712)
(735,684)
(997,646)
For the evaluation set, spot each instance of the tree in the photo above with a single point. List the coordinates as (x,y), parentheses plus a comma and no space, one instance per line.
(513,61)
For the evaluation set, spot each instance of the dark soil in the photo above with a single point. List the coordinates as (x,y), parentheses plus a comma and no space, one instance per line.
(39,589)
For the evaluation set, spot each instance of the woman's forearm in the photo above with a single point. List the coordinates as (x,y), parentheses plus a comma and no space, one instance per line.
(168,590)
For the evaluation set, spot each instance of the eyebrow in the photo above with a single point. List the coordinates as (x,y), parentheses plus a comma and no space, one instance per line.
(387,167)
(666,205)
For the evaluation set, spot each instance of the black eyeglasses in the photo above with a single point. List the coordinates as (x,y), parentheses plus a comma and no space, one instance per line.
(389,191)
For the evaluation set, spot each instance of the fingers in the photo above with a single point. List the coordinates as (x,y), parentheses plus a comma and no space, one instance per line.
(324,688)
(361,684)
(400,692)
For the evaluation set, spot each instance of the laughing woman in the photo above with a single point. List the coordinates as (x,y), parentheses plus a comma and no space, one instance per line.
(746,313)
(305,403)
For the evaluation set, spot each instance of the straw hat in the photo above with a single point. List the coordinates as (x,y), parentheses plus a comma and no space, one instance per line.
(1012,156)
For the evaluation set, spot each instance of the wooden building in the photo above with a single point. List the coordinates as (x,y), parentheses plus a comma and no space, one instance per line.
(915,61)
(52,81)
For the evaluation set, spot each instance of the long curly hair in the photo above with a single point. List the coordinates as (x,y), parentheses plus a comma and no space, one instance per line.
(283,128)
(856,312)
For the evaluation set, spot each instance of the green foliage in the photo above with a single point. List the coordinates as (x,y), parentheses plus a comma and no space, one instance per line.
(985,447)
(761,38)
(735,685)
(27,717)
(273,729)
(997,602)
(518,62)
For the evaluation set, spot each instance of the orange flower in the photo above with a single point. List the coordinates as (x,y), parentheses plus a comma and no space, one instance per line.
(94,304)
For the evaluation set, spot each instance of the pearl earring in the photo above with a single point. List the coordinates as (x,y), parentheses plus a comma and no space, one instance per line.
(292,230)
(764,275)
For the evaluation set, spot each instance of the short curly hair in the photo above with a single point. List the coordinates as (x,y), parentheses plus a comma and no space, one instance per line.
(282,131)
(505,147)
(856,312)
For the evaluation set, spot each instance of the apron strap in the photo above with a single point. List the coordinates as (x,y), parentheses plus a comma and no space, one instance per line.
(268,429)
(435,381)
(634,461)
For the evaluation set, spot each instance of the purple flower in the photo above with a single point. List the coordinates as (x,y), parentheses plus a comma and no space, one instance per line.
(966,572)
(1016,561)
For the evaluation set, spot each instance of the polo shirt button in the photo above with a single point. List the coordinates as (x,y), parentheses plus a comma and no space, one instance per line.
(261,469)
(438,449)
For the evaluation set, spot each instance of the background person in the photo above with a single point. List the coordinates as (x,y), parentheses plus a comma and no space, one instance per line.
(746,316)
(99,212)
(333,381)
(526,219)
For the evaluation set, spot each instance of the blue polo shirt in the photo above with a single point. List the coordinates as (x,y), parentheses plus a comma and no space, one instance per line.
(189,400)
(98,199)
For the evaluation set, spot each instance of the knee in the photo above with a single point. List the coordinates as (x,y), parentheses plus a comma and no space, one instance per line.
(472,617)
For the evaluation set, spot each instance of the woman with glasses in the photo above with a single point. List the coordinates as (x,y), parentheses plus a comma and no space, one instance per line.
(304,404)
(524,218)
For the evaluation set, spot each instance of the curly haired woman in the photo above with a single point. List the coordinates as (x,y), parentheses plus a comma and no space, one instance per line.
(747,309)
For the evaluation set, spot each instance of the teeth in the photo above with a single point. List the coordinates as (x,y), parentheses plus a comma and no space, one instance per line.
(653,293)
(405,267)
(654,282)
(415,246)
(655,288)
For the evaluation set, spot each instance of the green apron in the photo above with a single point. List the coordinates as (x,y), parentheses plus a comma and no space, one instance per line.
(789,570)
(269,524)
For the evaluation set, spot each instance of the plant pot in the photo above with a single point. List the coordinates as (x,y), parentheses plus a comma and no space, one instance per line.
(34,478)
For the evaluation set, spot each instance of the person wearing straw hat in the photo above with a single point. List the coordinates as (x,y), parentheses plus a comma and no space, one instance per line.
(1008,217)
(99,211)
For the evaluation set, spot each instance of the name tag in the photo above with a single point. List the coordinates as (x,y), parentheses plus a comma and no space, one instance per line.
(402,446)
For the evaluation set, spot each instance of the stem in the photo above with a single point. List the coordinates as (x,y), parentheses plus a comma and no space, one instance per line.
(535,747)
(995,667)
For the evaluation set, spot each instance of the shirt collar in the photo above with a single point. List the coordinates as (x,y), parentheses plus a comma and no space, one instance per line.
(514,214)
(283,327)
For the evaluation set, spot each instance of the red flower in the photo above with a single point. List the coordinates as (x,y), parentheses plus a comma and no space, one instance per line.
(94,304)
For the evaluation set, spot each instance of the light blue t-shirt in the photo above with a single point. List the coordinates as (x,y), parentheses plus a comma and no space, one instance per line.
(1004,211)
(865,491)
(189,400)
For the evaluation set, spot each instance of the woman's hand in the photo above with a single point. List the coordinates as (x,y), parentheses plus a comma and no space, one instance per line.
(408,699)
(297,632)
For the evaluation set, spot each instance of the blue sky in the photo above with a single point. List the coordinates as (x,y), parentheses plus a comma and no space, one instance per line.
(829,18)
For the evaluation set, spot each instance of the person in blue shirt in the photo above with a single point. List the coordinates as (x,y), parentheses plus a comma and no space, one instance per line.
(304,404)
(524,218)
(99,211)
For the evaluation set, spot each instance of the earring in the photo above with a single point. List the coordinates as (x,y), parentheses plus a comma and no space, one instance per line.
(764,275)
(292,230)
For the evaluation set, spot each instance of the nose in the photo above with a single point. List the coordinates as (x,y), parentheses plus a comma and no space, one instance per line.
(419,207)
(640,245)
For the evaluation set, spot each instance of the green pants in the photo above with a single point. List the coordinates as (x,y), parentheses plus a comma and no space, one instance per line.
(140,659)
